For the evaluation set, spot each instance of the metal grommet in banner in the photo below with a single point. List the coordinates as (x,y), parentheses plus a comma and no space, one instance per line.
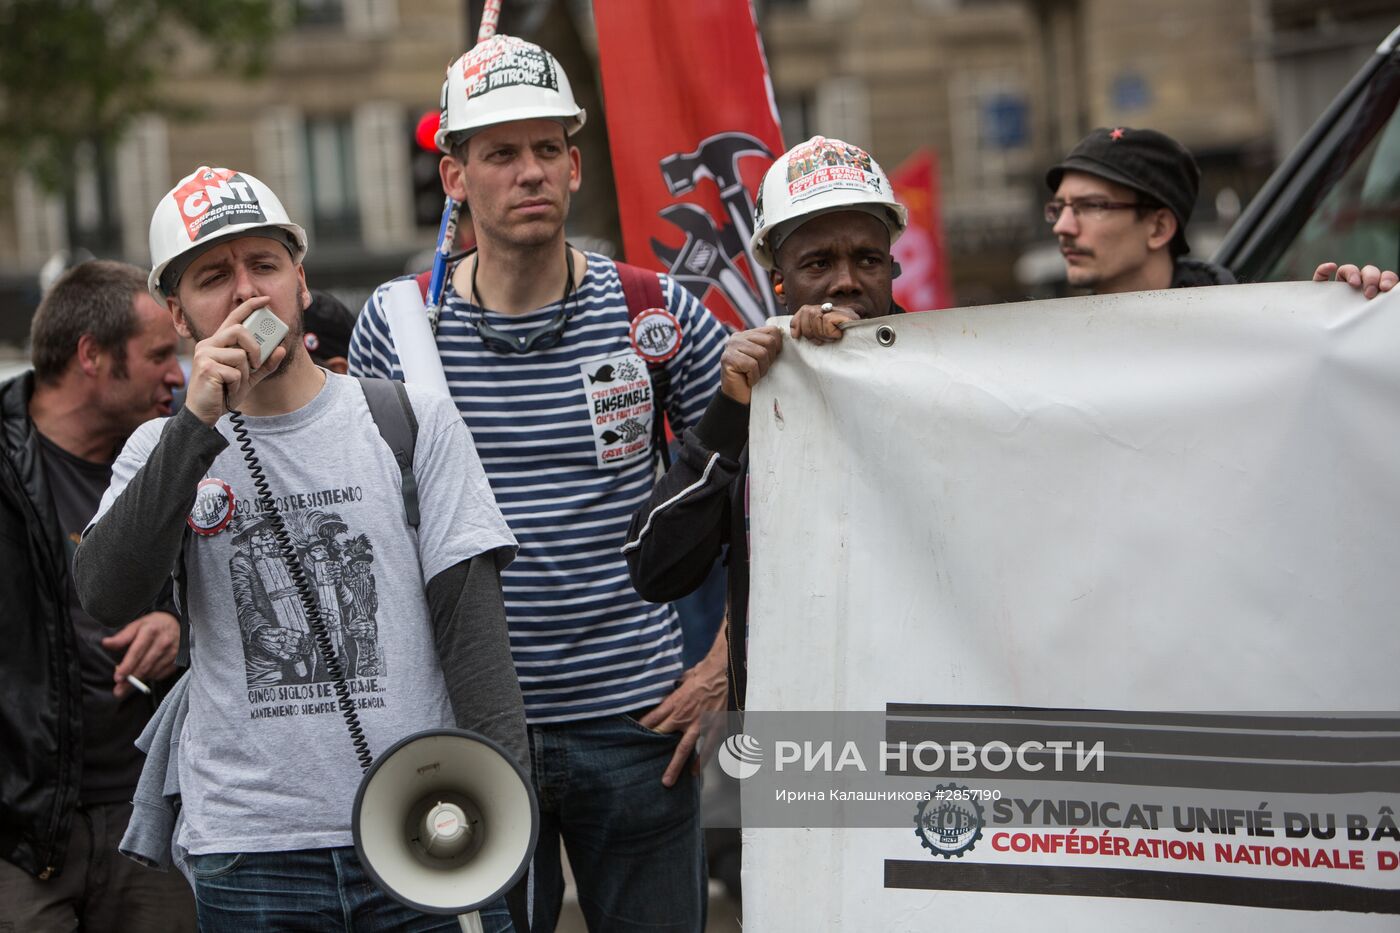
(885,335)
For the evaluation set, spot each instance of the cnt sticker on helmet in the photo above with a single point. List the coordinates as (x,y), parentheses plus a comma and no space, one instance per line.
(215,198)
(507,62)
(823,164)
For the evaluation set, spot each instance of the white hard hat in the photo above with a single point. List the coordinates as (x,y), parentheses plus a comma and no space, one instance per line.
(209,205)
(820,176)
(501,80)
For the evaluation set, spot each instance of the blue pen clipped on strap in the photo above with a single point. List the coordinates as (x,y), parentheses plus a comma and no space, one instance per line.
(437,283)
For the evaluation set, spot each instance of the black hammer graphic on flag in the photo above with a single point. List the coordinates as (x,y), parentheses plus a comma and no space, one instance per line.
(712,254)
(694,128)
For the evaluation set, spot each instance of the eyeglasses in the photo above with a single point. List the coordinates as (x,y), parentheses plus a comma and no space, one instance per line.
(1091,208)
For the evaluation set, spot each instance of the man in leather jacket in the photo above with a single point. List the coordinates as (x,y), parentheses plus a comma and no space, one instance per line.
(104,362)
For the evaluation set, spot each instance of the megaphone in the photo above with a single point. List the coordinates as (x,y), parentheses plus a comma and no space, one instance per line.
(445,822)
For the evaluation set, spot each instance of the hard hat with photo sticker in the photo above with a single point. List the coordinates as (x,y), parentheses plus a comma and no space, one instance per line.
(817,177)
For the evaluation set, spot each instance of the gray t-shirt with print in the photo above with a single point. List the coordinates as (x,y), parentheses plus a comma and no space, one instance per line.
(266,763)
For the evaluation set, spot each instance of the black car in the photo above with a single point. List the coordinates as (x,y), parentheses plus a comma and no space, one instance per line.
(1337,195)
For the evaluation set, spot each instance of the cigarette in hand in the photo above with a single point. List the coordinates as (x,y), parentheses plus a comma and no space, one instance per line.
(138,684)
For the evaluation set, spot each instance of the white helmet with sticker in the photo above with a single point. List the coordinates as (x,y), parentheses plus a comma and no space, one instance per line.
(818,177)
(207,206)
(501,80)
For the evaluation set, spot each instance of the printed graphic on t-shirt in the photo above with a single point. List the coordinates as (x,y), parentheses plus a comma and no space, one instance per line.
(619,402)
(286,673)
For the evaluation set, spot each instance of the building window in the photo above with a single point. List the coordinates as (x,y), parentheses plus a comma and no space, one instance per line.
(364,18)
(39,220)
(143,176)
(330,155)
(991,149)
(317,13)
(795,113)
(1004,122)
(92,221)
(843,110)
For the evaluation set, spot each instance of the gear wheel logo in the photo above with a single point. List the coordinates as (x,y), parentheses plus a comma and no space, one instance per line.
(949,823)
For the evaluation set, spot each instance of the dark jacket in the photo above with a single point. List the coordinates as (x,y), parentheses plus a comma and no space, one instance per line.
(694,512)
(40,685)
(1192,273)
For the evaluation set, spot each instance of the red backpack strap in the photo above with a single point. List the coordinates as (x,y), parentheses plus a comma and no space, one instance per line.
(641,288)
(424,279)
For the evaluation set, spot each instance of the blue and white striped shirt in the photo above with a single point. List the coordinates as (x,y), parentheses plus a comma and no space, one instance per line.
(584,643)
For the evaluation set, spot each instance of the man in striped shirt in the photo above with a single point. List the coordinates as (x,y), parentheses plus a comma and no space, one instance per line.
(550,373)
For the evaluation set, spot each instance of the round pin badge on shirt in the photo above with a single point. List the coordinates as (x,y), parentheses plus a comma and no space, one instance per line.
(311,341)
(213,507)
(656,335)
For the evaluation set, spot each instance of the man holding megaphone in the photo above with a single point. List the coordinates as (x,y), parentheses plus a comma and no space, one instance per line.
(272,496)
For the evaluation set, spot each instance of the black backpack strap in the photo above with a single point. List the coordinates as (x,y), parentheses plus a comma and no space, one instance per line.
(393,416)
(642,290)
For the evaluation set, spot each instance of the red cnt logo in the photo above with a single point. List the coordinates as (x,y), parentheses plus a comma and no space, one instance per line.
(216,197)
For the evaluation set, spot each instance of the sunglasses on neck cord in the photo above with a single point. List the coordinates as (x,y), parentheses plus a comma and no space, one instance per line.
(545,336)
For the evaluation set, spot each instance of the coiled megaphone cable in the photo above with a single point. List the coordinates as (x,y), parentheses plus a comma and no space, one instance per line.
(309,604)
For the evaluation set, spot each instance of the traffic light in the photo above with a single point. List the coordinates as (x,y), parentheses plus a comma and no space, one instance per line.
(427,187)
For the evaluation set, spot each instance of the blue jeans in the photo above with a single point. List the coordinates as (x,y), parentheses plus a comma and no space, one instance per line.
(307,889)
(635,846)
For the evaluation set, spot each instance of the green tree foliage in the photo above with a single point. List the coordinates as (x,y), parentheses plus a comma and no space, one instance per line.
(76,71)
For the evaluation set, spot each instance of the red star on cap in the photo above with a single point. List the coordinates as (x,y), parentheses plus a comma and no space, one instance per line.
(1116,134)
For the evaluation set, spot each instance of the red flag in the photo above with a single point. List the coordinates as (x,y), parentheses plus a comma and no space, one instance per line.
(693,127)
(925,282)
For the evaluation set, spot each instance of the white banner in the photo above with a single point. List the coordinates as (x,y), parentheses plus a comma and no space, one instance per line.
(1177,513)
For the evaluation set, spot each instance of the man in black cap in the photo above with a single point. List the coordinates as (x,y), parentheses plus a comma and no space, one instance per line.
(327,329)
(1122,199)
